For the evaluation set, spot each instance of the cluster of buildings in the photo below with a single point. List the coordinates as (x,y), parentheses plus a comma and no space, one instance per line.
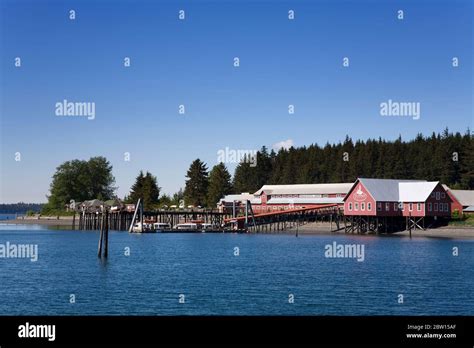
(364,197)
(96,205)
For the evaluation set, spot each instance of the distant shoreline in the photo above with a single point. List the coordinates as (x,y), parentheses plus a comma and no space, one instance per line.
(45,221)
(309,229)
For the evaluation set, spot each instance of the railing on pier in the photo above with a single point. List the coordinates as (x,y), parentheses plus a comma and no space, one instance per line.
(285,219)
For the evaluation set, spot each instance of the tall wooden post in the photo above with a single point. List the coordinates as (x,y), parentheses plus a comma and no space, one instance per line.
(106,233)
(101,237)
(410,224)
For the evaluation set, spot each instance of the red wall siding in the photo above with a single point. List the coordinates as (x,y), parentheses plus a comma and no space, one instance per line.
(435,201)
(358,196)
(389,209)
(414,211)
(455,205)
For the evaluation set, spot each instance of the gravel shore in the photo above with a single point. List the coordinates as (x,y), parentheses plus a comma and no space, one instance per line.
(440,232)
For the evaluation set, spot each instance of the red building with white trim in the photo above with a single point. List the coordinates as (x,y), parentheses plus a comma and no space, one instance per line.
(272,198)
(397,198)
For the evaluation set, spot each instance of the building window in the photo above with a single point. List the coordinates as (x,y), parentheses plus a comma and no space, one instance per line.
(437,196)
(362,206)
(410,206)
(436,207)
(432,195)
(418,206)
(387,206)
(401,206)
(379,206)
(395,206)
(443,195)
(369,206)
(350,206)
(430,206)
(446,207)
(356,207)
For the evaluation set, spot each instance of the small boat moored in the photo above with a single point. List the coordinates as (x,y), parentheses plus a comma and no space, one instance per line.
(161,226)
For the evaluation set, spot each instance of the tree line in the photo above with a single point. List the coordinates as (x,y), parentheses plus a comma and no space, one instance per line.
(444,157)
(20,208)
(447,157)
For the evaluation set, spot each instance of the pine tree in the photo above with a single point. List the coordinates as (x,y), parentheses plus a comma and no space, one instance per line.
(219,184)
(241,182)
(427,158)
(145,188)
(195,191)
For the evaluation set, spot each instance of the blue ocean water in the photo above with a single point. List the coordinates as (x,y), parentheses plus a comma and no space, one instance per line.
(214,281)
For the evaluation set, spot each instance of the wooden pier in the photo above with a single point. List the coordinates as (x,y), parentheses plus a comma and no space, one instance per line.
(122,220)
(361,224)
(282,221)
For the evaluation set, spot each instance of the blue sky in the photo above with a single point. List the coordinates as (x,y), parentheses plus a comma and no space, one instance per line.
(190,62)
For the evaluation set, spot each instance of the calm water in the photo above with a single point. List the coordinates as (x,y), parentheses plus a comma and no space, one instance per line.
(214,281)
(9,216)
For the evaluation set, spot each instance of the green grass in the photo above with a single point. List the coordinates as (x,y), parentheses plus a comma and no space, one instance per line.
(467,220)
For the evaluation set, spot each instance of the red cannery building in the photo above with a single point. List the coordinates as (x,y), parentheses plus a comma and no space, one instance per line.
(387,200)
(462,201)
(274,198)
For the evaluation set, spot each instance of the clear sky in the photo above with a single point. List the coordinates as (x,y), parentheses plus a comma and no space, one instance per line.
(190,62)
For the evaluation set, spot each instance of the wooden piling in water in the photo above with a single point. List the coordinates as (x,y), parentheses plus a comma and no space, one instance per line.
(99,252)
(106,234)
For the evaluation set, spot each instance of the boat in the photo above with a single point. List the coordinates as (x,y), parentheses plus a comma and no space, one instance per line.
(210,228)
(190,226)
(147,228)
(161,226)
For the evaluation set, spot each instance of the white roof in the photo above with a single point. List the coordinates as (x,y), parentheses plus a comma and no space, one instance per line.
(416,191)
(305,189)
(465,197)
(289,201)
(240,198)
(392,190)
(384,189)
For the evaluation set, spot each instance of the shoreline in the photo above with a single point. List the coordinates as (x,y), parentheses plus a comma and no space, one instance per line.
(305,230)
(46,221)
(440,232)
